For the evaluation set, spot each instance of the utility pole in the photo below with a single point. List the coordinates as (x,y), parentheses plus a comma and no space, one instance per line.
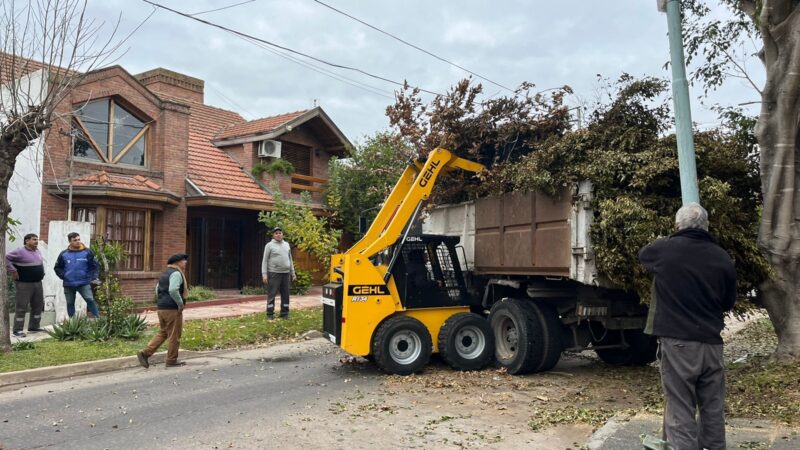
(680,95)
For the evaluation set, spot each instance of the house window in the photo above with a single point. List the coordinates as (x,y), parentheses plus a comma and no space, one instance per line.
(130,227)
(107,132)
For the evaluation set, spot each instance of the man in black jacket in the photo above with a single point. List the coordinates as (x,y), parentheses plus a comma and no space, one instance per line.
(694,284)
(171,291)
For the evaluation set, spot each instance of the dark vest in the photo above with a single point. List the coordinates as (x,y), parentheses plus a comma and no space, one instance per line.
(164,300)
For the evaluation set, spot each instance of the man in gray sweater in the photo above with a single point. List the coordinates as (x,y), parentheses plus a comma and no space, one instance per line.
(276,268)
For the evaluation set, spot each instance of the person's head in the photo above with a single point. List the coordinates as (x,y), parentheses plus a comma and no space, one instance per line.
(691,215)
(178,259)
(277,234)
(74,240)
(31,241)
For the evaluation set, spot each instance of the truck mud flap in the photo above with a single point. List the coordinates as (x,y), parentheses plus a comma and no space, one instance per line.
(332,312)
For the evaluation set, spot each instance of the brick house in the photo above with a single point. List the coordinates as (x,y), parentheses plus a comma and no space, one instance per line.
(155,168)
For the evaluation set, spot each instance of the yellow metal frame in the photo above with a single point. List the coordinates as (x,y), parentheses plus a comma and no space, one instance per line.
(361,314)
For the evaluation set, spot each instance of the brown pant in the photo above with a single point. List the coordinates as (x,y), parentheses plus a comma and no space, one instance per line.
(170,322)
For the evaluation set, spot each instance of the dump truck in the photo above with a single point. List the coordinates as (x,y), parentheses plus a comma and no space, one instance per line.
(529,257)
(509,279)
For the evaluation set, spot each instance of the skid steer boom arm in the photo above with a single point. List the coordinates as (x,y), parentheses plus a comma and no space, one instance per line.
(413,187)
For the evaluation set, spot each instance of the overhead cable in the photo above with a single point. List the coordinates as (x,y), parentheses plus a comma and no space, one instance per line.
(412,45)
(281,47)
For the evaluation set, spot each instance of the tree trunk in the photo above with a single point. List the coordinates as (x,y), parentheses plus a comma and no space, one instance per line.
(5,330)
(777,130)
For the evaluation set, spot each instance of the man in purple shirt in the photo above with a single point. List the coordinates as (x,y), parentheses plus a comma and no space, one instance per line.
(26,267)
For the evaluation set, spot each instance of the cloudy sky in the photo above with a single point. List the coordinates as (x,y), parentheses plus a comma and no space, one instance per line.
(544,42)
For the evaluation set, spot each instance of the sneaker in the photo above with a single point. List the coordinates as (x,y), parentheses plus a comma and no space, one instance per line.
(176,364)
(284,317)
(270,317)
(143,359)
(19,334)
(36,330)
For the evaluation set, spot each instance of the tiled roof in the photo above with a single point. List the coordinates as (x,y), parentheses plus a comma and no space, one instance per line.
(103,178)
(258,126)
(211,169)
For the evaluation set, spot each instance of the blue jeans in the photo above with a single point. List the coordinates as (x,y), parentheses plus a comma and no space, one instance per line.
(86,293)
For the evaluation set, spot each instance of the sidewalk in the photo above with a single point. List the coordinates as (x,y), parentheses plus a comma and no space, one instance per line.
(224,307)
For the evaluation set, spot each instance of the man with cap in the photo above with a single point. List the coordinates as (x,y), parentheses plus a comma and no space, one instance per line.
(171,291)
(276,268)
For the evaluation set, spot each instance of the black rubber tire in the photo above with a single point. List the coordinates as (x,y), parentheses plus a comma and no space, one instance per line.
(640,352)
(466,342)
(552,338)
(402,345)
(518,336)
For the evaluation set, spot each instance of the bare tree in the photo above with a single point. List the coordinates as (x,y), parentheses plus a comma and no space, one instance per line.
(46,48)
(776,24)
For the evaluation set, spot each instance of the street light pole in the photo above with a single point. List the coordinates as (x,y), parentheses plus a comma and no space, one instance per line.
(680,95)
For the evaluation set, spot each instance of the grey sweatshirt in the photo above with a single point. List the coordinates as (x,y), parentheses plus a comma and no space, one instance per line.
(277,258)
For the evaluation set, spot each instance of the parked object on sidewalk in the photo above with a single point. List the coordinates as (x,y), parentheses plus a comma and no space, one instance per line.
(277,272)
(78,269)
(694,284)
(172,289)
(26,267)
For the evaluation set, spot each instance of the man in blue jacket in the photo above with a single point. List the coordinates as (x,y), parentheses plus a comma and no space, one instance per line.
(77,267)
(694,284)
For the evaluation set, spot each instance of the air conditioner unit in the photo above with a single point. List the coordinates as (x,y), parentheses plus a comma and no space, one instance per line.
(269,149)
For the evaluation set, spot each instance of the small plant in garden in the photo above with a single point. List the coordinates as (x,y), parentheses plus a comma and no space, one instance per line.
(200,293)
(98,330)
(132,327)
(302,284)
(23,345)
(254,290)
(72,329)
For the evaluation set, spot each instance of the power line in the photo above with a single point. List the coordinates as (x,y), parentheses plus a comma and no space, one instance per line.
(272,44)
(220,9)
(412,45)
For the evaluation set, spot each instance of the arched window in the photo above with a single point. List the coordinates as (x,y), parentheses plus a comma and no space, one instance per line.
(107,132)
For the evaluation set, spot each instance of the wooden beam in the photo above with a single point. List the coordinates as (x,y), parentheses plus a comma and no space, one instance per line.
(132,143)
(309,178)
(303,187)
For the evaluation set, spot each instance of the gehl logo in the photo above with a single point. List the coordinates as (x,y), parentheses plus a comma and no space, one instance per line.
(426,177)
(368,289)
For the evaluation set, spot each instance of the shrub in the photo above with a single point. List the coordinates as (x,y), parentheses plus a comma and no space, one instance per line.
(200,293)
(132,327)
(302,284)
(273,167)
(97,330)
(72,329)
(254,290)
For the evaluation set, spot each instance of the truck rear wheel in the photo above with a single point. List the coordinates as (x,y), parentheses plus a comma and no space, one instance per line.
(641,349)
(402,345)
(466,341)
(527,337)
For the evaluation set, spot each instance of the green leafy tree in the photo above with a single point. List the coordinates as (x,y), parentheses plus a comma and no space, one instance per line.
(306,231)
(718,43)
(359,184)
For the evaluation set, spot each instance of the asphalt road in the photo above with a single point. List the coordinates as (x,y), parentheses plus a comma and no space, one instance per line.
(236,399)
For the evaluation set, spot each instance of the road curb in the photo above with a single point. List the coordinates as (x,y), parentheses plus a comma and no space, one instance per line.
(87,368)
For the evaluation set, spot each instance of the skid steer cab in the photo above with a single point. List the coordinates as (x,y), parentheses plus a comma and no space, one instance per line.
(397,298)
(424,308)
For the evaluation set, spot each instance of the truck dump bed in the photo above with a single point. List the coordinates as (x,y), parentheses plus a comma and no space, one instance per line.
(523,233)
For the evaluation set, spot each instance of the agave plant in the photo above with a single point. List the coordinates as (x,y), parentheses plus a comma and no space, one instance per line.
(98,330)
(132,327)
(72,329)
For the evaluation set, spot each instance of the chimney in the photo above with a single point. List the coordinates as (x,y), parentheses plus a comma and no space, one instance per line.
(173,84)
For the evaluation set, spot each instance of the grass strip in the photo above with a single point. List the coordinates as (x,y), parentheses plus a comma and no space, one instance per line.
(232,332)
